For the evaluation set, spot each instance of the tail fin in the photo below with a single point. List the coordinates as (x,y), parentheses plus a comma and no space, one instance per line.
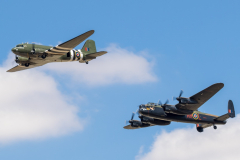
(89,47)
(231,110)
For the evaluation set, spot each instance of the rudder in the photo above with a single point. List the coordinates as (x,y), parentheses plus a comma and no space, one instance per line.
(231,110)
(89,47)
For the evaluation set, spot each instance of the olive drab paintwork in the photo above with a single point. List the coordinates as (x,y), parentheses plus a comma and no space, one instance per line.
(30,55)
(182,112)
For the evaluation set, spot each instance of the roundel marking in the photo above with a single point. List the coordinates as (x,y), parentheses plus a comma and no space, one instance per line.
(195,116)
(77,54)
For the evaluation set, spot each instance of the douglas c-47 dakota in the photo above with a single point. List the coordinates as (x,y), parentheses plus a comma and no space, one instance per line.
(185,111)
(33,55)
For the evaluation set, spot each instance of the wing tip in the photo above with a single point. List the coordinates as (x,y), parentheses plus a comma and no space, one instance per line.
(91,31)
(221,85)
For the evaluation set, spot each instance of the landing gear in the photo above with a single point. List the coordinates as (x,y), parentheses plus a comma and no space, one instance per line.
(86,62)
(215,127)
(26,64)
(44,56)
(199,129)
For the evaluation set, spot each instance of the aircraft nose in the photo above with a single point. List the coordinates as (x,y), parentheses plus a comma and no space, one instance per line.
(13,49)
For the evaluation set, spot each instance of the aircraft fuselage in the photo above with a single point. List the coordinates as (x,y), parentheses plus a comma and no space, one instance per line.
(196,117)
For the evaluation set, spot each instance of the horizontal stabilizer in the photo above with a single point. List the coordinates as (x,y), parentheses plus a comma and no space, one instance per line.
(94,55)
(223,117)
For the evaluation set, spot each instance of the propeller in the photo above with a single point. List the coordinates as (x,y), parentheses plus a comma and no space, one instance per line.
(166,102)
(132,115)
(15,61)
(33,48)
(176,98)
(130,121)
(160,103)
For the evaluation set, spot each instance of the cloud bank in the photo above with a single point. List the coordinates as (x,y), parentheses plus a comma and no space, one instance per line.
(117,66)
(181,144)
(32,107)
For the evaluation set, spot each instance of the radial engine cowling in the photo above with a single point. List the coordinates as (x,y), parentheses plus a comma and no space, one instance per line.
(76,55)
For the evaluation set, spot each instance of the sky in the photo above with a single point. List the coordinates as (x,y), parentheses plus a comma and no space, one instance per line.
(155,49)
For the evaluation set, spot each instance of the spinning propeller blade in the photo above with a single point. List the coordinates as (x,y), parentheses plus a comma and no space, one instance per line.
(132,116)
(166,102)
(180,94)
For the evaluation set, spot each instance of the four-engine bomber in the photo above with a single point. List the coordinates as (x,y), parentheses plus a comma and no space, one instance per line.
(185,111)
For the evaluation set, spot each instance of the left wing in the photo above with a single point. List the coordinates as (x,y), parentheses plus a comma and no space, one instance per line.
(65,47)
(32,65)
(202,96)
(92,56)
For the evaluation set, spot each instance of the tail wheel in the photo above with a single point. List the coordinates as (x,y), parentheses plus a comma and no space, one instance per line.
(215,127)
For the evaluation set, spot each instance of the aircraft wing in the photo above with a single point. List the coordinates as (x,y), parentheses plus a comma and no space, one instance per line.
(65,47)
(92,56)
(202,96)
(32,65)
(130,127)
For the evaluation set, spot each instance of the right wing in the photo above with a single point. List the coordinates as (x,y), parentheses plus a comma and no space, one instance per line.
(65,47)
(202,96)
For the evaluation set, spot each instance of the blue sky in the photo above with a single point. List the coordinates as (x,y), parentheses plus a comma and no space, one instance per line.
(181,44)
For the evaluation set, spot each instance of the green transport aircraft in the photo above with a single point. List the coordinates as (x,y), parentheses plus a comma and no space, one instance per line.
(185,111)
(34,55)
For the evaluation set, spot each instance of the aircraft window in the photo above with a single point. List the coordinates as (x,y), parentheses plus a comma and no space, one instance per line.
(19,46)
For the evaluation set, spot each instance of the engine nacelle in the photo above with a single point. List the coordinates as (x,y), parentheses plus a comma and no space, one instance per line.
(136,124)
(160,122)
(146,119)
(154,121)
(184,100)
(76,55)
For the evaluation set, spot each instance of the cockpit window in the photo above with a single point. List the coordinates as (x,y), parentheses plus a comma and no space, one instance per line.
(19,46)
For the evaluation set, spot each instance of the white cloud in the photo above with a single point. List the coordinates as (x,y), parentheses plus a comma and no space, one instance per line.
(117,66)
(32,107)
(181,144)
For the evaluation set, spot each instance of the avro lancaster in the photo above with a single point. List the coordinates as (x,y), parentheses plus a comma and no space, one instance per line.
(185,111)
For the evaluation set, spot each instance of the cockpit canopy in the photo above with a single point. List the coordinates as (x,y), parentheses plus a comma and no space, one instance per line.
(151,104)
(20,45)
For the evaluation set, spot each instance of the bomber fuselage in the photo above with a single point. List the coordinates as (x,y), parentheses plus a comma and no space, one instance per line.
(196,116)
